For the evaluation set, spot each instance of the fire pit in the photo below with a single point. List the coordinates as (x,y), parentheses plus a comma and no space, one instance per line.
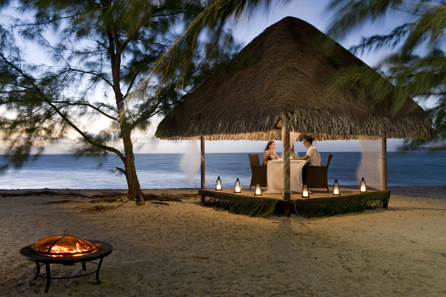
(66,250)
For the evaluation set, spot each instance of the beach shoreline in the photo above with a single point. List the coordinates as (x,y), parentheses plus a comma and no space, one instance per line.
(186,249)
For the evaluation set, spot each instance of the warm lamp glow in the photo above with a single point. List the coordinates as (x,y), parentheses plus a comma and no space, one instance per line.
(305,192)
(237,187)
(363,186)
(336,190)
(218,185)
(258,190)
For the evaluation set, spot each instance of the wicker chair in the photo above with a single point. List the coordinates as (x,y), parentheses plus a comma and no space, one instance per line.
(316,176)
(258,171)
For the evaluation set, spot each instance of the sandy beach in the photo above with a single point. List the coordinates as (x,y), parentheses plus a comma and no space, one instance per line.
(186,249)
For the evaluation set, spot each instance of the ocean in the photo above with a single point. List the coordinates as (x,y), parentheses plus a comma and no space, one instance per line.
(163,171)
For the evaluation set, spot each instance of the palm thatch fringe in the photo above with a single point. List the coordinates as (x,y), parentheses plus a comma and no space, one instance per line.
(323,125)
(340,205)
(251,206)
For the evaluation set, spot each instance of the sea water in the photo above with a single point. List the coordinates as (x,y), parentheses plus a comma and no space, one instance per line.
(163,171)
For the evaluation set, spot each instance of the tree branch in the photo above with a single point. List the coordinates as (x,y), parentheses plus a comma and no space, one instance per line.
(70,123)
(71,103)
(92,73)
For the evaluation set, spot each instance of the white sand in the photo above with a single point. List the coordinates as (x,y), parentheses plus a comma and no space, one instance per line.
(185,249)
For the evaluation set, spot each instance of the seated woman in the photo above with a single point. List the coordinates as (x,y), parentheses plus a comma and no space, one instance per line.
(270,153)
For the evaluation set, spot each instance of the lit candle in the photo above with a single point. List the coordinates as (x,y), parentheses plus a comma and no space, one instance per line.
(258,190)
(363,186)
(305,192)
(218,184)
(336,188)
(237,187)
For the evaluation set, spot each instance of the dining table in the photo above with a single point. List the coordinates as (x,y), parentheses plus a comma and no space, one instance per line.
(275,176)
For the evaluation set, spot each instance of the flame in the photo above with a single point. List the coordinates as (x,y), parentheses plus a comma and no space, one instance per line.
(63,250)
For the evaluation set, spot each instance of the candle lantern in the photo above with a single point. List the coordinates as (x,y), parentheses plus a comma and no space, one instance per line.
(305,192)
(258,190)
(218,185)
(336,190)
(363,186)
(237,187)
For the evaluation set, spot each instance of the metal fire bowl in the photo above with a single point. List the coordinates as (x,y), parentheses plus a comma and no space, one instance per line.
(103,250)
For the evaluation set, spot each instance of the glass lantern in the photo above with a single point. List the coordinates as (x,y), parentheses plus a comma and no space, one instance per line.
(336,190)
(237,187)
(218,185)
(305,192)
(258,190)
(363,186)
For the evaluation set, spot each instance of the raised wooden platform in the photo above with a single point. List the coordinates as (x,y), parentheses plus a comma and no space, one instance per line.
(320,203)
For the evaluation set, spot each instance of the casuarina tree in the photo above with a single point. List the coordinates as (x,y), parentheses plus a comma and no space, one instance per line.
(103,54)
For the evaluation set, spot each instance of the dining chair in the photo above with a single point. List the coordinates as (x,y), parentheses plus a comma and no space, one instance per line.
(316,176)
(258,171)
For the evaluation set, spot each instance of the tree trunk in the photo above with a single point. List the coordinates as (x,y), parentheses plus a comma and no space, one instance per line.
(126,130)
(130,170)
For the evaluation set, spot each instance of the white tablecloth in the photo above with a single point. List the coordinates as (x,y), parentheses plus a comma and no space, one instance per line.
(275,176)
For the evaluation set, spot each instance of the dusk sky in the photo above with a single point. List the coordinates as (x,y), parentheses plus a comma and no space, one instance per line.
(244,30)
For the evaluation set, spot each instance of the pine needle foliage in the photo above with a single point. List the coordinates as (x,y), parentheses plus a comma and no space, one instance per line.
(97,46)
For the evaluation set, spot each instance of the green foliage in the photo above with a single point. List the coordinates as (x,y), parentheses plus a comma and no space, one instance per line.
(178,56)
(417,68)
(246,205)
(260,207)
(96,46)
(341,205)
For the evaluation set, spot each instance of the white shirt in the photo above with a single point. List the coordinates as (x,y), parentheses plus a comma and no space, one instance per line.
(315,157)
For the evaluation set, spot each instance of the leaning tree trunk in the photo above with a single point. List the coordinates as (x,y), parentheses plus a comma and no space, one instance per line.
(130,170)
(126,130)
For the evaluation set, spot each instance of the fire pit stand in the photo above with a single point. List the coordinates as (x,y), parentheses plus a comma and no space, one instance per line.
(40,260)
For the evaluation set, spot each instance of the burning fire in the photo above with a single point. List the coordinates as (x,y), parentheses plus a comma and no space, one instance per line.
(76,251)
(64,246)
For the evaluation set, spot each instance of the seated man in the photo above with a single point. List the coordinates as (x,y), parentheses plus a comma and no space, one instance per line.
(312,154)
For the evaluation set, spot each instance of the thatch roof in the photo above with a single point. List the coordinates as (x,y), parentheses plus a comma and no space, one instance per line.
(280,73)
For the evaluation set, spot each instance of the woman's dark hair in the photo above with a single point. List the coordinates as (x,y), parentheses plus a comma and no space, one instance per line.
(309,139)
(268,145)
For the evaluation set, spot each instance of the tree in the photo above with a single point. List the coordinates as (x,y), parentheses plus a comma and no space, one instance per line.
(105,45)
(418,66)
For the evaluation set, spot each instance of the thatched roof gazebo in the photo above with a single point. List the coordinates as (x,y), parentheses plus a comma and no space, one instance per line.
(275,85)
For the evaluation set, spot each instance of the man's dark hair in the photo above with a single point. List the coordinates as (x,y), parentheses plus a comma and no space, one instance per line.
(309,139)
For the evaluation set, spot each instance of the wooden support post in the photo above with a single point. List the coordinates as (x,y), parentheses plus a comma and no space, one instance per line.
(202,163)
(384,164)
(286,162)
